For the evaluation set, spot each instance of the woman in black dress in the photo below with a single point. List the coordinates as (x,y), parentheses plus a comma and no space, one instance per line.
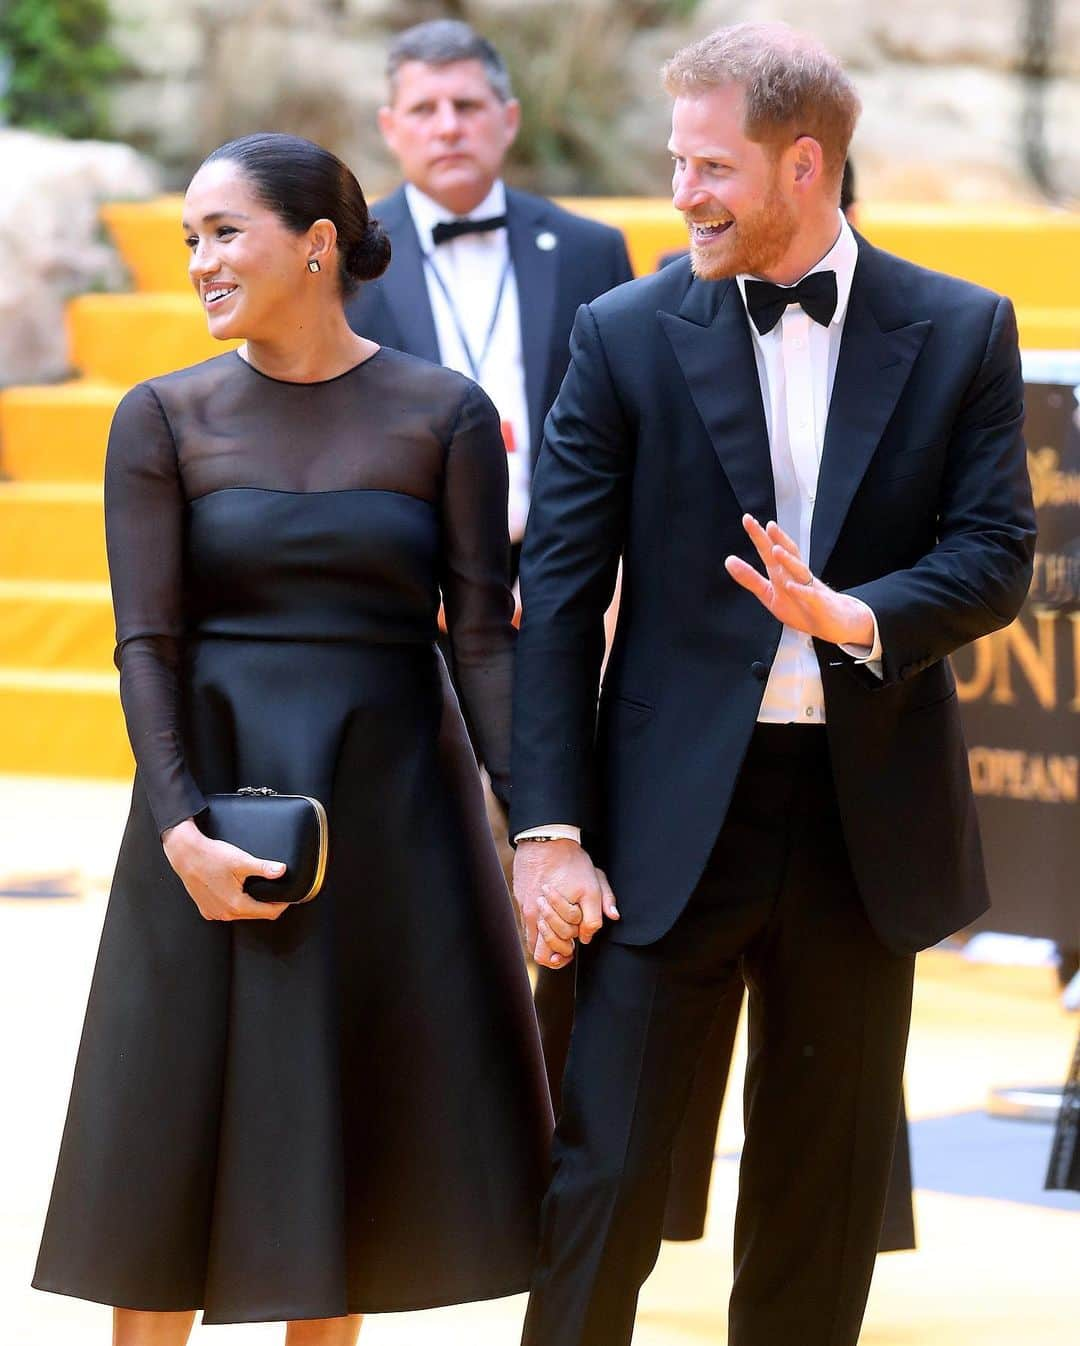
(303,1114)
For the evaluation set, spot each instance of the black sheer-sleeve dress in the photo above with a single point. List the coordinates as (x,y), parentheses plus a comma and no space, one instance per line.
(342,1111)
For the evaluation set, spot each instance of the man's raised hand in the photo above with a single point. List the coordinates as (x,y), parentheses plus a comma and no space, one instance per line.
(794,595)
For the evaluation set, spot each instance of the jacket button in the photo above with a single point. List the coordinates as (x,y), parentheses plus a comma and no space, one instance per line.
(760,670)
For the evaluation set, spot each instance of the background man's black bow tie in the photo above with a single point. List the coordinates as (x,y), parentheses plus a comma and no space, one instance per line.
(443,233)
(816,294)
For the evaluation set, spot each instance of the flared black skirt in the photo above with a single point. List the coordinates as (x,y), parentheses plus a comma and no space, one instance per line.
(341,1111)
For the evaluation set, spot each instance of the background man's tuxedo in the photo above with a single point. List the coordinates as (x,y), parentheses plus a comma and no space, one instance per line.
(574,261)
(656,447)
(810,861)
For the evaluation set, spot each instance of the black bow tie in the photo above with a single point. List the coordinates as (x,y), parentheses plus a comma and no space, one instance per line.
(443,233)
(816,294)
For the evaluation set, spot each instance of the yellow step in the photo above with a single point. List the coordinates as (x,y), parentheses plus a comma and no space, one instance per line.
(651,225)
(54,626)
(52,532)
(62,724)
(150,239)
(56,432)
(124,338)
(1048,329)
(151,242)
(1027,253)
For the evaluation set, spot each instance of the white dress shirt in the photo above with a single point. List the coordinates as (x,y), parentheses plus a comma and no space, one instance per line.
(796,364)
(471,268)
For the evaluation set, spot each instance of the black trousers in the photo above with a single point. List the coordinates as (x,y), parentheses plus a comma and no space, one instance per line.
(694,1147)
(777,907)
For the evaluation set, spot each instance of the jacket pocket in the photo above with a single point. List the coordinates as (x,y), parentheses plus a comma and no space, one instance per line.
(631,704)
(906,463)
(932,704)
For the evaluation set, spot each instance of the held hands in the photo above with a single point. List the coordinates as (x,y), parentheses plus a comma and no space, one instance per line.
(563,897)
(213,872)
(795,596)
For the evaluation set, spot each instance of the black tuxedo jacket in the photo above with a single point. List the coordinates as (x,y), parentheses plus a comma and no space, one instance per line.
(655,447)
(587,258)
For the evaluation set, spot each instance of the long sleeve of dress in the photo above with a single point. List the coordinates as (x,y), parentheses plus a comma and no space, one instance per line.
(475,580)
(144,532)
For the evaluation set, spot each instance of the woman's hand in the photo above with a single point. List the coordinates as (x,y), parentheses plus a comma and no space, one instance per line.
(213,872)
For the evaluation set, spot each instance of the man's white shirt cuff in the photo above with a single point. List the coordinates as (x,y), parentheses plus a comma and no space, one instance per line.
(561,830)
(870,657)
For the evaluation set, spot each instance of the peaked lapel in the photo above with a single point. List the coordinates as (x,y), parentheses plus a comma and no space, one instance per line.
(877,352)
(536,271)
(711,338)
(404,287)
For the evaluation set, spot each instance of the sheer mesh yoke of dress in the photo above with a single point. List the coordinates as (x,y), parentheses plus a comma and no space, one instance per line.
(392,424)
(343,1110)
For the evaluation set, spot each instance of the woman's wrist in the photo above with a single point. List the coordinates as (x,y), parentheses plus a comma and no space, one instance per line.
(181,836)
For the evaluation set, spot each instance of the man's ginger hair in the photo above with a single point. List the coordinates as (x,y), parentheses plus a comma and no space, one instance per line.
(792,86)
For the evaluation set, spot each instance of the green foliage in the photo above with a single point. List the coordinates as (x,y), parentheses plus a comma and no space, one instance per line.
(59,63)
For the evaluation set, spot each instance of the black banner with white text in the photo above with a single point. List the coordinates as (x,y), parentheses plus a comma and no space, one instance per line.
(1020,693)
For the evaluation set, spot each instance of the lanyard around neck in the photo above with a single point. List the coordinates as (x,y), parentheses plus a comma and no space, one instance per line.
(476,364)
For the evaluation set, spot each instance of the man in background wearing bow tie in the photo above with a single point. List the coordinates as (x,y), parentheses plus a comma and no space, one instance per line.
(828,440)
(482,278)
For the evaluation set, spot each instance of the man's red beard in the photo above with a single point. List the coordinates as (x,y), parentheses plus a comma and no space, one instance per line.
(753,243)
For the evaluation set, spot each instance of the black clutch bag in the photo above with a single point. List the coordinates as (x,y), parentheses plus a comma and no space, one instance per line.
(291,828)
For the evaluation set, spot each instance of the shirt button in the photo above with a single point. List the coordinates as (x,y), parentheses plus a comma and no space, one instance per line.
(798,343)
(809,712)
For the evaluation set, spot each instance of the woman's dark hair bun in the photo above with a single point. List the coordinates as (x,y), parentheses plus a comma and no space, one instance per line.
(369,256)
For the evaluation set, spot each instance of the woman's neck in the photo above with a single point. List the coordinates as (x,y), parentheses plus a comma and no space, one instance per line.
(311,352)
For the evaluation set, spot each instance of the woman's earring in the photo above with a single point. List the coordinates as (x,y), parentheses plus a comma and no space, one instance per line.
(313,265)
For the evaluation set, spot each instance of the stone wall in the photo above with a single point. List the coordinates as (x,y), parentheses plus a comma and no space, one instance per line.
(51,240)
(940,84)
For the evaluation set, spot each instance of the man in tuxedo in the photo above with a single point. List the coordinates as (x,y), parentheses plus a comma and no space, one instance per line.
(827,439)
(688,1194)
(483,278)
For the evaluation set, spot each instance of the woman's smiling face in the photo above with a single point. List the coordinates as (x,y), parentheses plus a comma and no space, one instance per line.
(248,268)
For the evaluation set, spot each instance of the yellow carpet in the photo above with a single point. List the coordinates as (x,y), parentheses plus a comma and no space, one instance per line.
(987,1273)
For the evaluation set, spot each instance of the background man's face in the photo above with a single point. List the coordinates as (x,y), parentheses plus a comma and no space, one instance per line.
(449,131)
(728,188)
